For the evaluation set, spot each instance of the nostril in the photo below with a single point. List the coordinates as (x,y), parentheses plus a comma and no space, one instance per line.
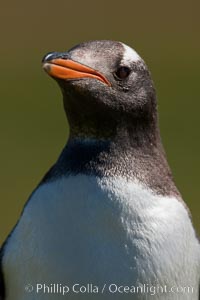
(53,55)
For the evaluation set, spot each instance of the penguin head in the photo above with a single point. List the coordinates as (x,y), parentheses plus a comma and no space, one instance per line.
(106,86)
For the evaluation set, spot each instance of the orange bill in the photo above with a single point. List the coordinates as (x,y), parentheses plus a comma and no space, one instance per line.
(69,69)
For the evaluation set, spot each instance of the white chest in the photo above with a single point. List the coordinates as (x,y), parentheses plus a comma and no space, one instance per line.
(85,230)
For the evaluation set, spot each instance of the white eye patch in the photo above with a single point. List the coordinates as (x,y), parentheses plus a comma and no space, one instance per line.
(129,55)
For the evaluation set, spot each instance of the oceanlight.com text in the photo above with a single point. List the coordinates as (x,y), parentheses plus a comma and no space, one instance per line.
(112,288)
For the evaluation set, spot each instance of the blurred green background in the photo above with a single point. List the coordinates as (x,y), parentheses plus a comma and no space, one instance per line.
(33,124)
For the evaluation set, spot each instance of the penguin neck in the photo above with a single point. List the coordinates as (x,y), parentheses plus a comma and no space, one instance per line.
(133,156)
(106,153)
(137,128)
(124,138)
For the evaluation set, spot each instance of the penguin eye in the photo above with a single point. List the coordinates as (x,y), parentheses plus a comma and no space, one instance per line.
(122,72)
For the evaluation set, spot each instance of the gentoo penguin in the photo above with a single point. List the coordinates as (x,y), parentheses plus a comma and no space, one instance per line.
(106,221)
